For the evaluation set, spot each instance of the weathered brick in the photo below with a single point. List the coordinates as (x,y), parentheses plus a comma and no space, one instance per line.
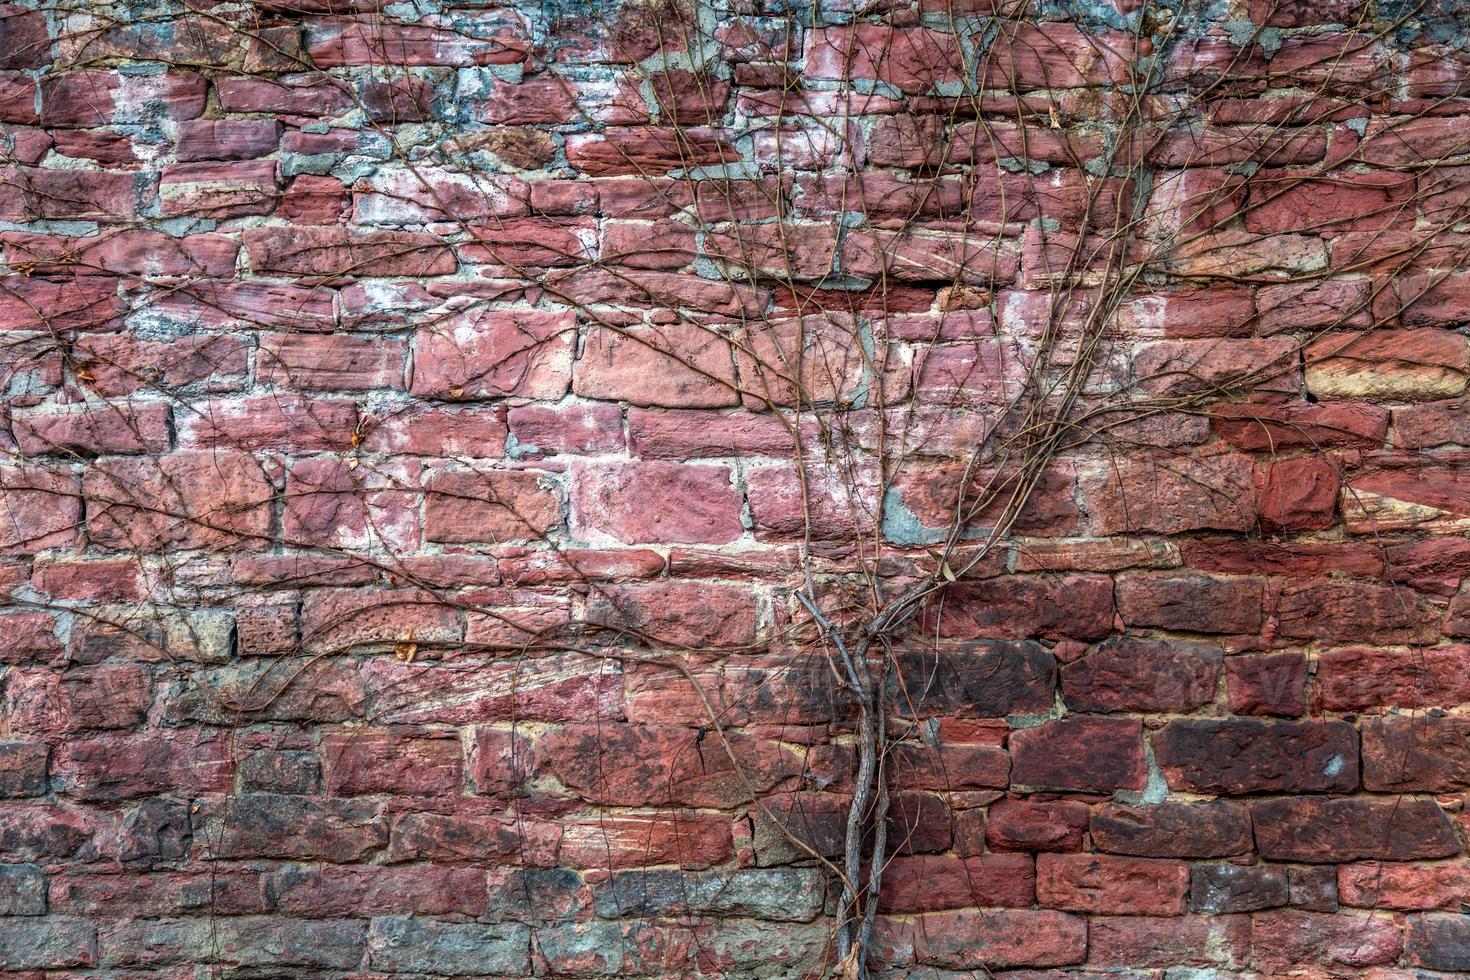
(1275,684)
(1223,889)
(1334,830)
(969,939)
(978,680)
(1103,884)
(1073,606)
(494,353)
(1399,365)
(1036,825)
(1246,756)
(650,502)
(1178,830)
(1091,754)
(1426,753)
(406,763)
(1172,495)
(1169,941)
(1438,942)
(22,769)
(1326,610)
(1282,941)
(632,766)
(1404,887)
(489,506)
(409,944)
(1136,674)
(267,825)
(49,943)
(1193,603)
(936,882)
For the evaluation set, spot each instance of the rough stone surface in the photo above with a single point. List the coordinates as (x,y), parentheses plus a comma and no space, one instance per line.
(453,454)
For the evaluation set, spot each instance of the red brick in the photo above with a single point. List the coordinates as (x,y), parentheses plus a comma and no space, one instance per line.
(22,769)
(1405,753)
(1235,756)
(679,366)
(1089,754)
(1414,495)
(1397,365)
(1364,678)
(334,43)
(1438,942)
(1326,610)
(1193,603)
(495,353)
(1216,311)
(329,504)
(1169,941)
(502,505)
(399,762)
(80,700)
(275,422)
(33,194)
(1171,495)
(118,767)
(92,429)
(912,59)
(1274,684)
(647,150)
(648,765)
(1288,940)
(213,190)
(1328,303)
(226,139)
(130,251)
(680,613)
(983,940)
(687,838)
(1325,830)
(24,37)
(936,882)
(93,97)
(1176,830)
(332,253)
(978,680)
(188,499)
(655,502)
(291,827)
(1256,427)
(78,303)
(338,618)
(1111,885)
(1404,887)
(121,364)
(330,362)
(1218,366)
(1308,200)
(557,687)
(306,94)
(1136,674)
(1032,825)
(1392,141)
(946,767)
(1299,494)
(345,892)
(1074,606)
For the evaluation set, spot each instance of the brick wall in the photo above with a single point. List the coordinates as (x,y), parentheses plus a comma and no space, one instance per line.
(445,445)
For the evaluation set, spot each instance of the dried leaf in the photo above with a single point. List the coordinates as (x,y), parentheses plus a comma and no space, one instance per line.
(406,650)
